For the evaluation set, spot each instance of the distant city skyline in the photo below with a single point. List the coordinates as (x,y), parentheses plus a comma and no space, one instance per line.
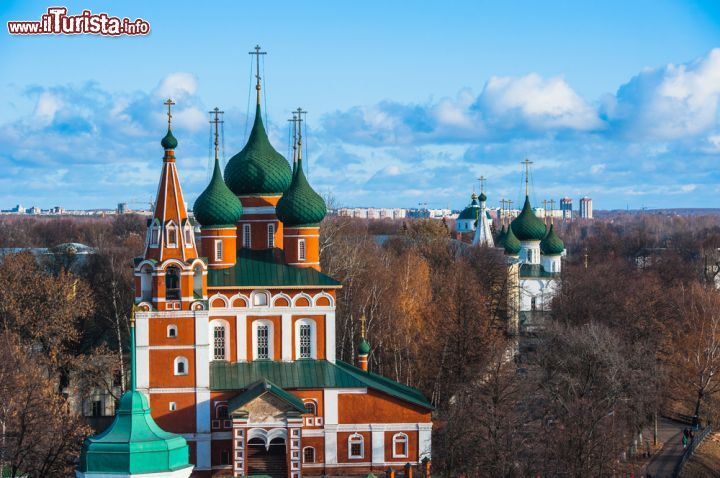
(406,107)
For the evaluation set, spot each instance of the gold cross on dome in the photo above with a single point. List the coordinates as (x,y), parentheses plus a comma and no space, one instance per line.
(169,103)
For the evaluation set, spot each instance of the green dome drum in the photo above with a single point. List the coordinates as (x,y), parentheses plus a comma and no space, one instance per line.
(300,205)
(258,169)
(217,206)
(527,226)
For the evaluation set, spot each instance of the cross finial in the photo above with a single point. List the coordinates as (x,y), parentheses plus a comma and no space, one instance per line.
(362,325)
(217,122)
(482,180)
(169,103)
(527,164)
(294,121)
(299,112)
(257,54)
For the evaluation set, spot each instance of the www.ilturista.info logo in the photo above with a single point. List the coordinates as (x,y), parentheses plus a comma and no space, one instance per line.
(57,22)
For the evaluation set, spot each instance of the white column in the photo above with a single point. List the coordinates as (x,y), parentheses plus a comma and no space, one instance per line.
(378,444)
(424,440)
(142,353)
(202,374)
(330,445)
(286,326)
(241,336)
(330,404)
(330,336)
(203,460)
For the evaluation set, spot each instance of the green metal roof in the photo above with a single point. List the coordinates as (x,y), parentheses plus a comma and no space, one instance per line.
(169,141)
(266,268)
(472,211)
(300,205)
(500,240)
(258,168)
(527,226)
(308,374)
(217,205)
(134,443)
(511,243)
(261,387)
(535,270)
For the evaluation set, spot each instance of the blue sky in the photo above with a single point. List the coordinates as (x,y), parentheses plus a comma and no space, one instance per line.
(407,103)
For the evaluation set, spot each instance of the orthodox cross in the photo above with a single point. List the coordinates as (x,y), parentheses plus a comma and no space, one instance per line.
(482,180)
(509,204)
(503,202)
(257,54)
(362,325)
(545,205)
(216,121)
(169,103)
(527,164)
(299,113)
(294,120)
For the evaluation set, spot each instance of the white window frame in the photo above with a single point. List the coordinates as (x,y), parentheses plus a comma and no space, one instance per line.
(155,234)
(313,338)
(187,231)
(255,296)
(218,250)
(400,438)
(302,250)
(211,337)
(172,328)
(271,235)
(172,406)
(354,439)
(171,227)
(314,454)
(246,236)
(271,335)
(178,361)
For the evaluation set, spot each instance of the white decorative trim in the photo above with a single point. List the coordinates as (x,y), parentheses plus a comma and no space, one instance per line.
(354,438)
(274,299)
(330,447)
(301,235)
(330,405)
(211,338)
(171,347)
(330,335)
(302,295)
(222,297)
(170,390)
(313,337)
(325,295)
(286,337)
(241,340)
(378,446)
(182,473)
(395,440)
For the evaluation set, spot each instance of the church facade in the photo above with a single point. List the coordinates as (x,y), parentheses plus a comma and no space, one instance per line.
(236,332)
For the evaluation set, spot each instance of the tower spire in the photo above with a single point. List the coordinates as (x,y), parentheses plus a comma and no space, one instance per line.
(527,164)
(217,122)
(257,54)
(133,374)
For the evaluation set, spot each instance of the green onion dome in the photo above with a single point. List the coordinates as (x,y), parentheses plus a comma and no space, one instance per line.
(552,245)
(363,347)
(300,205)
(169,141)
(500,240)
(511,243)
(527,226)
(133,444)
(482,197)
(217,206)
(258,168)
(471,212)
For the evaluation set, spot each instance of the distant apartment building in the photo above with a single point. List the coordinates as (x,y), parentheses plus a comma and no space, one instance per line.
(122,208)
(372,212)
(586,208)
(566,208)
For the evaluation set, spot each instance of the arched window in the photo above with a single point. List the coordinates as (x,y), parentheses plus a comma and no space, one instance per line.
(400,445)
(219,342)
(181,366)
(172,331)
(356,446)
(171,230)
(530,256)
(146,282)
(188,235)
(302,253)
(262,340)
(260,299)
(246,237)
(310,408)
(172,283)
(305,338)
(155,234)
(308,454)
(221,412)
(271,236)
(197,281)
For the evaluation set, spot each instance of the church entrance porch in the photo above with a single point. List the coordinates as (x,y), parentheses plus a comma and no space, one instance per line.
(267,459)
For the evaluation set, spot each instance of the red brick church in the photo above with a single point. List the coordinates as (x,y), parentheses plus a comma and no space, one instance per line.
(236,330)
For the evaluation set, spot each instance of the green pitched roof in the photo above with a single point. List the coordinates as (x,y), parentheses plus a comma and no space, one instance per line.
(307,374)
(552,245)
(511,243)
(300,205)
(217,205)
(134,443)
(258,168)
(471,212)
(169,141)
(261,387)
(535,271)
(266,268)
(527,226)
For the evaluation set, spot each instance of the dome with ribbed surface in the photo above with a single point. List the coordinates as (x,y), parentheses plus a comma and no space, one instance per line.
(552,245)
(300,205)
(217,206)
(511,243)
(500,240)
(527,226)
(169,141)
(258,168)
(363,347)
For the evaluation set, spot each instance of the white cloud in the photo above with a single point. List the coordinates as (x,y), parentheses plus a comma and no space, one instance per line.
(177,85)
(46,107)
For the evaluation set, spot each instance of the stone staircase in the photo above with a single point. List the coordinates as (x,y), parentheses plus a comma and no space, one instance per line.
(272,463)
